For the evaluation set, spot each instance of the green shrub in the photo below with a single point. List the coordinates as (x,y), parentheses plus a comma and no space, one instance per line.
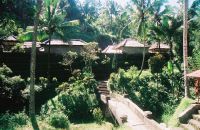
(18,48)
(5,123)
(10,121)
(59,120)
(98,115)
(20,119)
(76,98)
(11,96)
(150,92)
(156,63)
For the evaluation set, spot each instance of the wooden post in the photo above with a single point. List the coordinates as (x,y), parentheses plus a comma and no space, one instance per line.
(197,88)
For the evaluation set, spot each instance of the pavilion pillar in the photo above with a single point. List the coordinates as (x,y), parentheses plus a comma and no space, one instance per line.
(197,88)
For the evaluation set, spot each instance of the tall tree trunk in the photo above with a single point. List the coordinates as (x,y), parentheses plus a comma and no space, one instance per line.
(143,59)
(49,60)
(1,55)
(185,45)
(33,61)
(143,30)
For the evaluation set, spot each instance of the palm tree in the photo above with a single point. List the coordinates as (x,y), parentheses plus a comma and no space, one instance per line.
(143,8)
(54,22)
(185,45)
(52,19)
(166,30)
(33,64)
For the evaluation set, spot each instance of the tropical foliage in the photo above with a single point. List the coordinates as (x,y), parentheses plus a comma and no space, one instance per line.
(159,89)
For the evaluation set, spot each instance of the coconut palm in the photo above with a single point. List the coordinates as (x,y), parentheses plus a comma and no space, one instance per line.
(54,22)
(185,45)
(168,27)
(193,10)
(143,7)
(33,64)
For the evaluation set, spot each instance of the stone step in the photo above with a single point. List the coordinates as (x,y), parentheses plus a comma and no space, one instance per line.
(104,92)
(103,83)
(195,124)
(103,89)
(196,117)
(177,128)
(102,86)
(187,127)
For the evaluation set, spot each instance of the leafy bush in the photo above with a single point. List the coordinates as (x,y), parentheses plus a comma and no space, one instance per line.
(98,115)
(10,121)
(156,63)
(150,92)
(59,120)
(11,96)
(77,100)
(18,48)
(20,119)
(5,123)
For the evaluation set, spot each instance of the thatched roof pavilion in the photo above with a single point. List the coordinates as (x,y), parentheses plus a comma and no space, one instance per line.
(194,74)
(154,48)
(72,42)
(111,49)
(127,46)
(129,43)
(8,42)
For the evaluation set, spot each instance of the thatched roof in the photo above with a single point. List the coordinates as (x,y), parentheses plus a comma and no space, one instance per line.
(29,44)
(111,49)
(10,38)
(73,42)
(77,42)
(155,48)
(129,43)
(194,74)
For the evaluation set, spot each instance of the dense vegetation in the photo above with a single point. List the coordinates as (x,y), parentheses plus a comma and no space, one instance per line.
(157,93)
(158,89)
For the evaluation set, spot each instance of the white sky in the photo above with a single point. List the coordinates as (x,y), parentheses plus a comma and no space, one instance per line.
(124,2)
(170,2)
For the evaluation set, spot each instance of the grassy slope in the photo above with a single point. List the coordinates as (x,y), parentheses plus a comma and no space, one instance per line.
(185,103)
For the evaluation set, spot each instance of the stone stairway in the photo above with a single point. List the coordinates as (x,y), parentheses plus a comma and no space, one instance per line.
(102,88)
(193,124)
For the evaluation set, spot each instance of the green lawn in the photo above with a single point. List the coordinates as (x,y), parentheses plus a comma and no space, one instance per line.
(86,126)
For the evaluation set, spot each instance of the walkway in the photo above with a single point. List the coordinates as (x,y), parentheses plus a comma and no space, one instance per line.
(120,109)
(126,112)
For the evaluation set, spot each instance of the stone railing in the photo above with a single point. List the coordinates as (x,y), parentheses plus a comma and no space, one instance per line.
(144,115)
(187,114)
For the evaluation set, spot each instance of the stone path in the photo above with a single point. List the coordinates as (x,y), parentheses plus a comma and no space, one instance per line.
(120,109)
